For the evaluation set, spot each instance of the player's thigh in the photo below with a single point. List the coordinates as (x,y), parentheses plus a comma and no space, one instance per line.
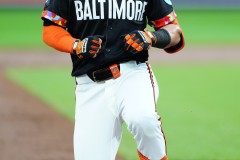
(139,93)
(97,130)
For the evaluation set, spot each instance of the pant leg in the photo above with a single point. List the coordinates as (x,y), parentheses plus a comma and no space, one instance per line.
(97,131)
(138,111)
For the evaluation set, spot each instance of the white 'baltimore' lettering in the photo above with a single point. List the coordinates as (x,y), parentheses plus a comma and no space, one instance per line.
(120,12)
(127,9)
(95,16)
(130,9)
(102,7)
(87,11)
(109,9)
(79,11)
(143,10)
(138,9)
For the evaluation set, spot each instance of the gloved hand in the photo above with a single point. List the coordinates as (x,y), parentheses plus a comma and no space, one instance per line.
(88,47)
(138,41)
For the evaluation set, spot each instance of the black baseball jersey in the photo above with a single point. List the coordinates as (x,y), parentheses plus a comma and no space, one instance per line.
(112,19)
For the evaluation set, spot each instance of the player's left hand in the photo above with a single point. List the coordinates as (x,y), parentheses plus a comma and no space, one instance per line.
(137,41)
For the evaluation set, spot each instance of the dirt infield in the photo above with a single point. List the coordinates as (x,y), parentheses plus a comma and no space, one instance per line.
(30,130)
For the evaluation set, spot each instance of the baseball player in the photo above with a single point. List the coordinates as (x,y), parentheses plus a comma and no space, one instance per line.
(108,43)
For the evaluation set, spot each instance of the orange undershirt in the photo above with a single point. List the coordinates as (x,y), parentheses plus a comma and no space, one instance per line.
(58,38)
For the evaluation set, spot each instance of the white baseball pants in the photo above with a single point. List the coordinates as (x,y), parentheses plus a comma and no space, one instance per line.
(102,107)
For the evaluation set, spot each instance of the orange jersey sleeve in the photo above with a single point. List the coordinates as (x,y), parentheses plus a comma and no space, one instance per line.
(58,38)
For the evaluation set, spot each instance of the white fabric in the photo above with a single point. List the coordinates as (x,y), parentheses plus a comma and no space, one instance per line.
(101,108)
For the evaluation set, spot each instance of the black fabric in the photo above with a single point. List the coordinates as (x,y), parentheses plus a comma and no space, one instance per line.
(158,9)
(49,23)
(105,20)
(163,38)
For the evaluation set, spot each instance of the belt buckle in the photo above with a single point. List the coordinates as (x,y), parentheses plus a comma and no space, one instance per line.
(93,75)
(98,71)
(115,71)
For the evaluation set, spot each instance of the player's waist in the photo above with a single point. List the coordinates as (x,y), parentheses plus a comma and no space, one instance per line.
(113,71)
(81,67)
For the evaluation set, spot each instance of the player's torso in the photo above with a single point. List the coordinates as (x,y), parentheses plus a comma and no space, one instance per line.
(110,18)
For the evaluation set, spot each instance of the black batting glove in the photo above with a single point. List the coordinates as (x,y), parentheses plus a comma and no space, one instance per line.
(137,41)
(88,47)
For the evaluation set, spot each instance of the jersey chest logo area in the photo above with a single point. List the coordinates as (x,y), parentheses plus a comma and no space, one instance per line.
(114,9)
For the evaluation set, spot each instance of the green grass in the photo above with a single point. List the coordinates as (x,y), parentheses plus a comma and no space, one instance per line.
(53,86)
(23,28)
(210,27)
(199,105)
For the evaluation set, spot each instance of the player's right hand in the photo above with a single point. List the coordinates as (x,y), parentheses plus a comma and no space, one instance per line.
(88,47)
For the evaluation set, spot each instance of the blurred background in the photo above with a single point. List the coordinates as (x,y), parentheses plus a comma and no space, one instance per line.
(199,87)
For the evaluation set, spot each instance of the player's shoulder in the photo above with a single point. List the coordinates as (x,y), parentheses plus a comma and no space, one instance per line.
(48,2)
(163,2)
(169,2)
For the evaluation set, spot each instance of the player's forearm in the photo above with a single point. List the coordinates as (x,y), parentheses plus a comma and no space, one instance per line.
(169,37)
(174,33)
(58,38)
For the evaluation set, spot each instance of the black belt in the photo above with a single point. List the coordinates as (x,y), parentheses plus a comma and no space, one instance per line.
(107,73)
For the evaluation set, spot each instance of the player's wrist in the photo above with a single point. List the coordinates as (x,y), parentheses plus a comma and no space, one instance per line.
(151,35)
(74,47)
(162,38)
(77,48)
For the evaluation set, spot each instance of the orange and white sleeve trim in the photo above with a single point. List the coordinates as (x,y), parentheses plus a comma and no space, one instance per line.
(54,18)
(163,21)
